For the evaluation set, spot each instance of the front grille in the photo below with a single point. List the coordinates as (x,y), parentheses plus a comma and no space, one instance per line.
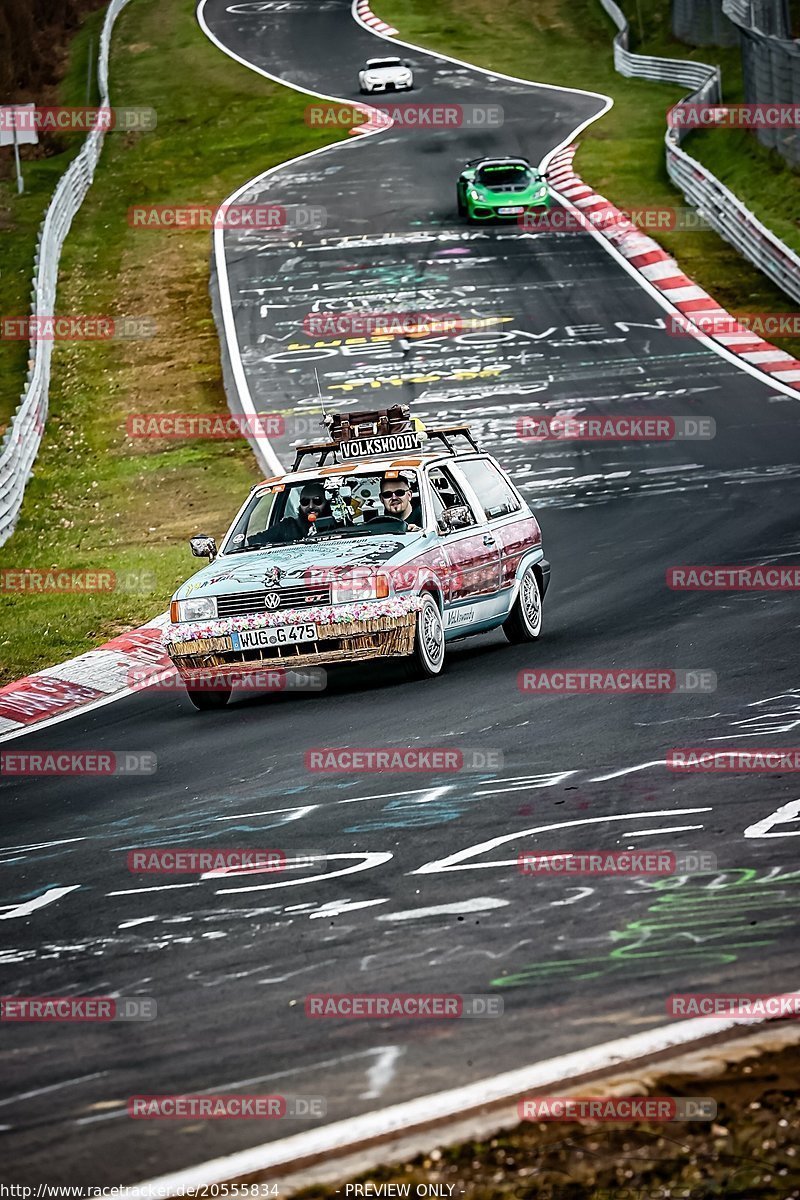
(299,596)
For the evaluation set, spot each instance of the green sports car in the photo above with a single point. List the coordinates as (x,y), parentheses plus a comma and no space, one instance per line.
(500,187)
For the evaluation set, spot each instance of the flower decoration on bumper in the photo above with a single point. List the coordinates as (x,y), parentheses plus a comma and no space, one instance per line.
(340,614)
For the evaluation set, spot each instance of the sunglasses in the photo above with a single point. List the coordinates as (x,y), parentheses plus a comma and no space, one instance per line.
(394,495)
(307,501)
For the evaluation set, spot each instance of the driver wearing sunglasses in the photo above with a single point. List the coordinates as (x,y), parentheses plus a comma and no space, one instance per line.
(397,502)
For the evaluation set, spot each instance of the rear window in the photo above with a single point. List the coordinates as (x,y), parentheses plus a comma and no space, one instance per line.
(495,494)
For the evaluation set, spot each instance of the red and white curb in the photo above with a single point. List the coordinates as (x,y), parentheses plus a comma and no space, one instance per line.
(375,23)
(376,121)
(94,678)
(699,310)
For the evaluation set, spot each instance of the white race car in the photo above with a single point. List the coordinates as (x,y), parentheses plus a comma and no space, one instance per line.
(385,75)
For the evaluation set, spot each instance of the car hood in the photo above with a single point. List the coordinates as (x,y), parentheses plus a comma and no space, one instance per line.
(253,570)
(385,72)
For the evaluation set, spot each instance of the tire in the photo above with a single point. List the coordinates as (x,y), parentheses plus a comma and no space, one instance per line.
(427,659)
(462,208)
(524,622)
(204,701)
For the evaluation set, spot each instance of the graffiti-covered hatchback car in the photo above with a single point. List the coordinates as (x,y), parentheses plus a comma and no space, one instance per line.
(397,541)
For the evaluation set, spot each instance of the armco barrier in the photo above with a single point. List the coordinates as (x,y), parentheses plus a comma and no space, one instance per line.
(721,208)
(771,64)
(24,435)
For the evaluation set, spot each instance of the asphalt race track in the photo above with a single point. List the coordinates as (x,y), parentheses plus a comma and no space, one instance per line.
(420,892)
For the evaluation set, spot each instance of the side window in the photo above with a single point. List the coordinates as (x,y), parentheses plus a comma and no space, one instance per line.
(496,496)
(447,493)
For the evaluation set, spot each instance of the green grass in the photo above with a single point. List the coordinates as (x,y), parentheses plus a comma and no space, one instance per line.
(21,216)
(98,500)
(568,42)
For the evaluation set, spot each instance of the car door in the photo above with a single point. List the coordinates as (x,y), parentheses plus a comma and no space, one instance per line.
(508,518)
(473,557)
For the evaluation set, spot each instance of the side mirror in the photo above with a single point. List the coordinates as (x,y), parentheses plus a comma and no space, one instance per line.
(203,546)
(457,517)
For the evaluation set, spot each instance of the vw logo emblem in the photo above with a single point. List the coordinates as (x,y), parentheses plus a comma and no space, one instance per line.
(272,600)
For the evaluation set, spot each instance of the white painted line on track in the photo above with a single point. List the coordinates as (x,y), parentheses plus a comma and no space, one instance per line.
(344,1137)
(29,906)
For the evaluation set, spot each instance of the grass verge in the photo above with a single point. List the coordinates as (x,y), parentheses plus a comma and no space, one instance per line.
(98,500)
(21,215)
(568,42)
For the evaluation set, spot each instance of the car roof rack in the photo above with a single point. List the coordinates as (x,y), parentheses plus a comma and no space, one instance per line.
(356,436)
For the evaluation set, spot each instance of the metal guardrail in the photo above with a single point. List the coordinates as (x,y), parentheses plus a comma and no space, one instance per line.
(24,435)
(721,208)
(771,66)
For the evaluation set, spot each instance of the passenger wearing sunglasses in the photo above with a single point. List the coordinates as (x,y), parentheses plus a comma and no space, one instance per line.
(397,502)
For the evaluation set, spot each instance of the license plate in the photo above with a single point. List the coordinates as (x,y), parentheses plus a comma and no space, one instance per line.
(280,635)
(507,212)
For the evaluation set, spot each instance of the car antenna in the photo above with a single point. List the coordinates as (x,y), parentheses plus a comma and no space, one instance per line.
(326,420)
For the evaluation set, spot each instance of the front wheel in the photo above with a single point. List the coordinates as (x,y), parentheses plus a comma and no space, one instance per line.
(462,208)
(204,701)
(427,658)
(524,622)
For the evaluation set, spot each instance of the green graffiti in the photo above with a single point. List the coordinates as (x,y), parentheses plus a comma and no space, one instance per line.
(690,920)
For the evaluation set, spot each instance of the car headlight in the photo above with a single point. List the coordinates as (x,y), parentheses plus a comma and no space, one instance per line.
(199,608)
(474,194)
(359,584)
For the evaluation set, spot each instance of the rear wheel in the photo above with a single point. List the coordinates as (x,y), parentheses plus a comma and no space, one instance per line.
(206,700)
(524,622)
(427,658)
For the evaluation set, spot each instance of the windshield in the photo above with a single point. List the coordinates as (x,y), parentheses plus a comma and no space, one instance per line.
(509,174)
(333,507)
(384,62)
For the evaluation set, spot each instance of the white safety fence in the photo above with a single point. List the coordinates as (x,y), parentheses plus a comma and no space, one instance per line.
(720,207)
(23,437)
